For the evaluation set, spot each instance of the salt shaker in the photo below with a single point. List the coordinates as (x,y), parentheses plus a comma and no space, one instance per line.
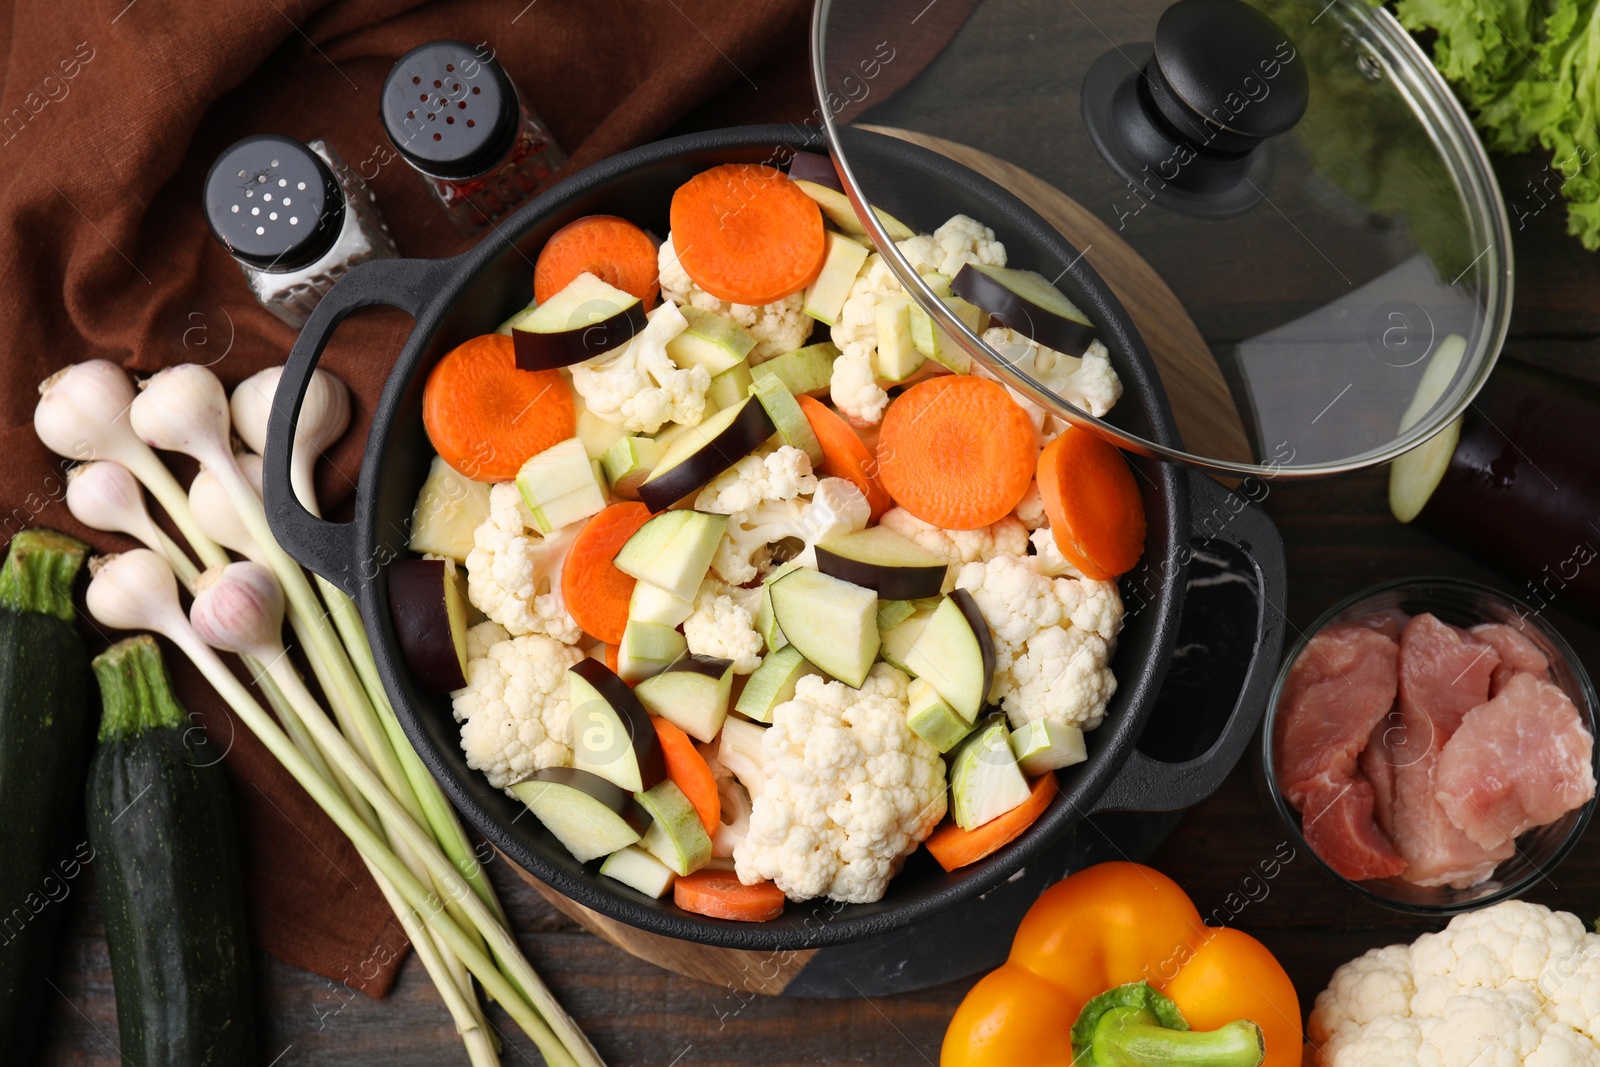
(294,217)
(453,114)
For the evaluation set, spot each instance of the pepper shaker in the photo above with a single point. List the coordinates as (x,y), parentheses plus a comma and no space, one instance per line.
(294,217)
(451,112)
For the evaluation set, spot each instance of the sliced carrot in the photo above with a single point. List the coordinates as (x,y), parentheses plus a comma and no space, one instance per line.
(485,417)
(612,652)
(595,592)
(844,455)
(954,847)
(745,233)
(957,451)
(1095,511)
(720,895)
(689,770)
(612,249)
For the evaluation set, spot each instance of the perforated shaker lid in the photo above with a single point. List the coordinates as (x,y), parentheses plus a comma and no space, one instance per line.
(1283,194)
(450,109)
(273,203)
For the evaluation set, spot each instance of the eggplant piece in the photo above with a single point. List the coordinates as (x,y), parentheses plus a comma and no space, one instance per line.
(589,815)
(817,168)
(883,561)
(1028,303)
(692,694)
(586,319)
(1523,485)
(428,603)
(831,622)
(612,735)
(702,452)
(954,651)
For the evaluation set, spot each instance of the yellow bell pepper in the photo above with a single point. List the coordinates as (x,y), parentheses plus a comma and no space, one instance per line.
(1120,951)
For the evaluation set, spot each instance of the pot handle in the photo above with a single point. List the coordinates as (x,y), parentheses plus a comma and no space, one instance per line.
(1217,513)
(329,548)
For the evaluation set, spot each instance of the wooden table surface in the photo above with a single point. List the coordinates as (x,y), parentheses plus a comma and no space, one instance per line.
(1340,538)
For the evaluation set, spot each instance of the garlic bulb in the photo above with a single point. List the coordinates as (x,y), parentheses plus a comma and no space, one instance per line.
(239,608)
(324,417)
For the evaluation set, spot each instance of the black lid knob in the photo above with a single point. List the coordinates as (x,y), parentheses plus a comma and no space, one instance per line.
(1228,68)
(273,203)
(450,109)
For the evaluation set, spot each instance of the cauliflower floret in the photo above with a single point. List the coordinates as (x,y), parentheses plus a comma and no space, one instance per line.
(842,790)
(1007,537)
(782,474)
(514,575)
(1047,557)
(1053,639)
(837,507)
(1087,382)
(513,711)
(854,388)
(639,387)
(723,625)
(1030,509)
(961,240)
(778,327)
(1513,985)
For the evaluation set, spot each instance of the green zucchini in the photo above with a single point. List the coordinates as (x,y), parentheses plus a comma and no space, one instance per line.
(167,861)
(46,700)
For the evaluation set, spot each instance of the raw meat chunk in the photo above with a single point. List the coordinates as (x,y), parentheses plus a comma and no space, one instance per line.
(1341,684)
(1389,622)
(1377,767)
(1520,760)
(1338,825)
(1443,675)
(1518,655)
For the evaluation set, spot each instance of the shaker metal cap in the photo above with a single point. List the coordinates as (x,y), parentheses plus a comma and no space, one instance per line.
(273,203)
(450,109)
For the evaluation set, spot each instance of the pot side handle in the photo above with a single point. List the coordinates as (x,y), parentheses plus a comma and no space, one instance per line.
(329,548)
(1218,513)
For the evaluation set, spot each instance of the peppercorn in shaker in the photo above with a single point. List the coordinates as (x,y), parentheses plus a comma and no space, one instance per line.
(294,217)
(454,115)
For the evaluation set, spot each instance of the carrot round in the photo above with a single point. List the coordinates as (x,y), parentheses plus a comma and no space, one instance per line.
(720,895)
(595,592)
(689,770)
(612,249)
(954,847)
(957,451)
(1095,511)
(844,455)
(485,417)
(745,233)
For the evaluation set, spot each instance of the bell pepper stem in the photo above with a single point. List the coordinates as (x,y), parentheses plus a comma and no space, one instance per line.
(1132,1037)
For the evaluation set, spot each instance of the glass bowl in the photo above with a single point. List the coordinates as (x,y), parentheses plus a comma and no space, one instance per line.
(1460,603)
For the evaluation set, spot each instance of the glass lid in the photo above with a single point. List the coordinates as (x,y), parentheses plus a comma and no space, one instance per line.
(1285,202)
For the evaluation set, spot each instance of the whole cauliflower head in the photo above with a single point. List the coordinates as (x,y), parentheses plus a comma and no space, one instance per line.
(514,712)
(1006,537)
(514,575)
(1511,985)
(1053,640)
(847,791)
(779,327)
(639,387)
(723,625)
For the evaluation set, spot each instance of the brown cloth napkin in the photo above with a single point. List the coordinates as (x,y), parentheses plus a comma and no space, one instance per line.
(111,113)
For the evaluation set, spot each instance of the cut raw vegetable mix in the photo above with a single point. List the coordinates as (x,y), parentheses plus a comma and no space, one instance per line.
(863,627)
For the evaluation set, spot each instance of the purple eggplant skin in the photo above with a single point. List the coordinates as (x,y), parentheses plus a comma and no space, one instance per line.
(549,351)
(635,719)
(980,628)
(815,167)
(611,795)
(422,623)
(694,663)
(1522,491)
(1018,313)
(743,435)
(890,583)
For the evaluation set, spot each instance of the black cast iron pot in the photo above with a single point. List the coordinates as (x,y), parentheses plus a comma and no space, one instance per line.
(455,299)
